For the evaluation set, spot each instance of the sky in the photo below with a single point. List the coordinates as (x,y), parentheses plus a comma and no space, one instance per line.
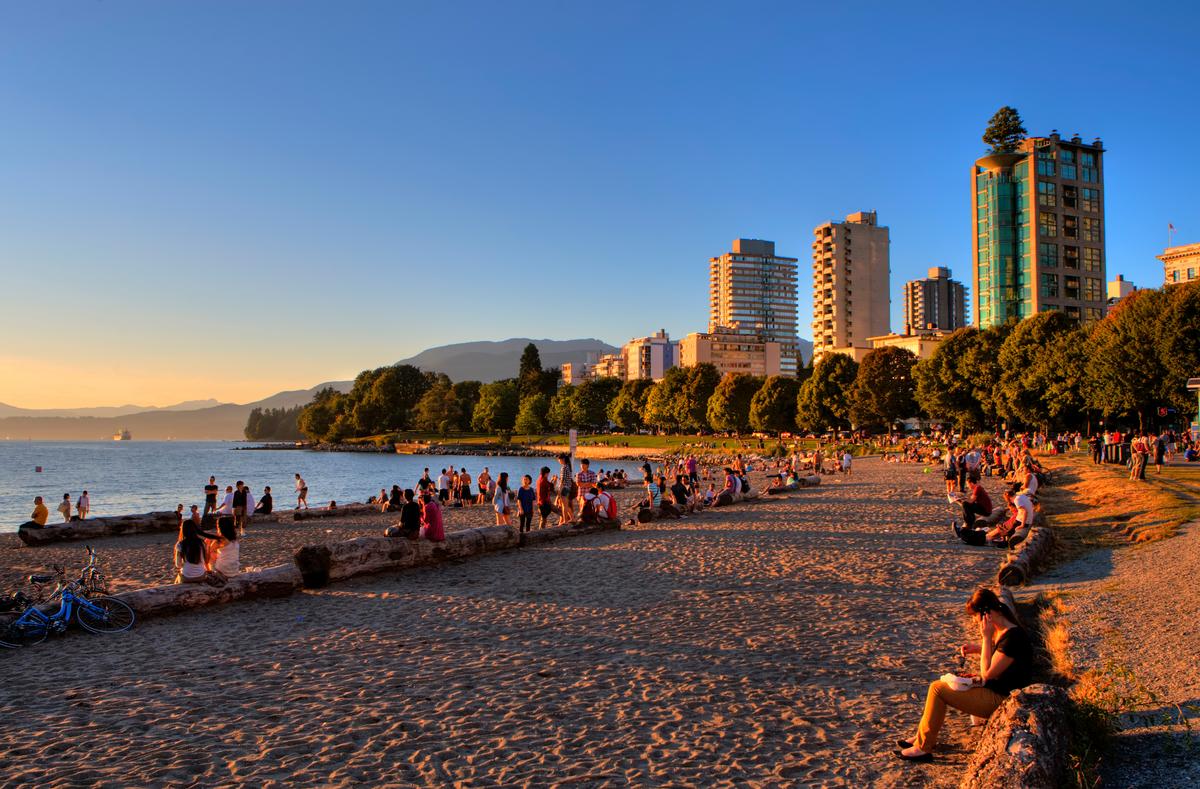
(228,199)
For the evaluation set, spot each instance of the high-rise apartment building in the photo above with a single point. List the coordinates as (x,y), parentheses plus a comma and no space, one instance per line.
(1180,264)
(1038,240)
(851,284)
(936,302)
(752,292)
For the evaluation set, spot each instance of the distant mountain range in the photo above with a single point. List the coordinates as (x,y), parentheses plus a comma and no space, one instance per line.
(209,419)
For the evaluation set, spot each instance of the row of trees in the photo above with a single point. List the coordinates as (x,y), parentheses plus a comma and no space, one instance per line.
(273,424)
(1044,372)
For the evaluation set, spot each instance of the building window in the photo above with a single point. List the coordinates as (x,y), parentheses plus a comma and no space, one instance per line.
(1049,289)
(1072,313)
(1067,172)
(1092,289)
(1048,255)
(1175,275)
(1091,200)
(1045,167)
(1070,227)
(1069,195)
(1087,159)
(1091,259)
(1091,314)
(1091,229)
(1047,224)
(1047,195)
(1066,156)
(1071,257)
(1071,287)
(1191,274)
(1089,175)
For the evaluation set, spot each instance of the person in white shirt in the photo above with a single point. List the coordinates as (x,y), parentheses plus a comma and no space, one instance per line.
(83,505)
(847,460)
(228,559)
(64,508)
(226,507)
(301,493)
(443,483)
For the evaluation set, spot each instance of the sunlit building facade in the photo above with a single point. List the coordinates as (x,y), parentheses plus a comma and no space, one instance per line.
(752,293)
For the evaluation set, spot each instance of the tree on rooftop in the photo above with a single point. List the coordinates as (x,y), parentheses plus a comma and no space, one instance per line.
(1005,130)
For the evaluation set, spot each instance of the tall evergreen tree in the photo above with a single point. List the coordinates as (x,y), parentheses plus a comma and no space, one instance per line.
(1005,130)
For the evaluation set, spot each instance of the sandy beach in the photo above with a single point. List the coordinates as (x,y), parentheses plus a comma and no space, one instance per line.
(781,644)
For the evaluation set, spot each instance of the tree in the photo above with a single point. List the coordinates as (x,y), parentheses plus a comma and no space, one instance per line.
(529,374)
(316,419)
(1065,393)
(884,392)
(729,406)
(274,424)
(773,407)
(626,409)
(1028,369)
(662,402)
(1179,343)
(824,399)
(438,409)
(692,407)
(1004,131)
(1125,371)
(496,411)
(957,383)
(467,394)
(591,401)
(561,413)
(531,418)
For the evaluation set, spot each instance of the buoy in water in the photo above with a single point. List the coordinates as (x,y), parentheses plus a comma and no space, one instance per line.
(37,469)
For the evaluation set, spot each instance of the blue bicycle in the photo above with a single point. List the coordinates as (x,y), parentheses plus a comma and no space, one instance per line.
(98,615)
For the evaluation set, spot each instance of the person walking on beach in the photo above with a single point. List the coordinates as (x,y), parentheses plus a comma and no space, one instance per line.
(301,493)
(525,498)
(83,505)
(64,508)
(210,495)
(543,493)
(484,480)
(500,501)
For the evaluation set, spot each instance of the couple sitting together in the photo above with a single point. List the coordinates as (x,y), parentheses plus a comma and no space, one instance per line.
(1002,527)
(203,557)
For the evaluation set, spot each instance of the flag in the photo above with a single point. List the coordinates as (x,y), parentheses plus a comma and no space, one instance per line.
(1170,227)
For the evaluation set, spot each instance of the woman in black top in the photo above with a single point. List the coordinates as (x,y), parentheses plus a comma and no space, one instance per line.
(1005,664)
(410,516)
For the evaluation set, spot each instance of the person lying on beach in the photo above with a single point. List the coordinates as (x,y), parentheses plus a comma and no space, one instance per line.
(431,519)
(1005,664)
(783,484)
(191,558)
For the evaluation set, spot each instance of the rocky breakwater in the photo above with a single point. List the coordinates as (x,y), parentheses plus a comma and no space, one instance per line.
(93,528)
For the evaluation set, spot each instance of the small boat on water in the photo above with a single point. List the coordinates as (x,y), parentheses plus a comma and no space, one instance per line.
(124,435)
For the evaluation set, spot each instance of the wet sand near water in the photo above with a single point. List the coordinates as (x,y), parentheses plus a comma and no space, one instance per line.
(784,643)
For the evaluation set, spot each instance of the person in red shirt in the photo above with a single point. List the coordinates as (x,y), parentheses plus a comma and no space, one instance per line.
(977,504)
(431,520)
(545,496)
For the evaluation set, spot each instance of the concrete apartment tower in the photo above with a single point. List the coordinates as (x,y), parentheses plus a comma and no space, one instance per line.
(1038,240)
(649,357)
(851,285)
(936,302)
(752,293)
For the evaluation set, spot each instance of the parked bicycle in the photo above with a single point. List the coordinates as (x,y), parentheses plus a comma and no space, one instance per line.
(97,614)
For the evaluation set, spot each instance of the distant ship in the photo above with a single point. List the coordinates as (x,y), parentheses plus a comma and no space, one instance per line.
(124,435)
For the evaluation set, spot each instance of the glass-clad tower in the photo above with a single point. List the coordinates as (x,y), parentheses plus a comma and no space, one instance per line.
(1038,241)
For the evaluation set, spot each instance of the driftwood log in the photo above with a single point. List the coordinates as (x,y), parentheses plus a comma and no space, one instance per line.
(325,563)
(1024,744)
(1021,564)
(337,512)
(95,528)
(278,581)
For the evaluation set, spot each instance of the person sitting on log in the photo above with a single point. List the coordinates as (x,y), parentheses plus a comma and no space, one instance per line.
(667,508)
(431,520)
(605,504)
(225,560)
(682,495)
(1008,533)
(1005,664)
(191,559)
(266,505)
(731,492)
(977,503)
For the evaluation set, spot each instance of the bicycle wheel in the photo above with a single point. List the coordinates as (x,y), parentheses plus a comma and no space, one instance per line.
(104,615)
(24,634)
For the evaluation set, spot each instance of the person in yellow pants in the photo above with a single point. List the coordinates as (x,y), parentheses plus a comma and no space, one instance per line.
(1005,664)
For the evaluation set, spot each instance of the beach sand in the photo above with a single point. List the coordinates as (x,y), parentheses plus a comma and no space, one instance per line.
(783,643)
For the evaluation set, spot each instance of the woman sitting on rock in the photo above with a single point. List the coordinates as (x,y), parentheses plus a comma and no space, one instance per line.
(1005,664)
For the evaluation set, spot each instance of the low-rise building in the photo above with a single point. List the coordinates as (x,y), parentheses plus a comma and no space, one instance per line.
(731,352)
(609,365)
(922,344)
(1181,264)
(649,357)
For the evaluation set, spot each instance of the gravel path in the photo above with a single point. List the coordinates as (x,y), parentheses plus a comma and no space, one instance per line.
(1138,607)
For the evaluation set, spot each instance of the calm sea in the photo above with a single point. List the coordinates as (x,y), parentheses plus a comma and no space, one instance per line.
(124,477)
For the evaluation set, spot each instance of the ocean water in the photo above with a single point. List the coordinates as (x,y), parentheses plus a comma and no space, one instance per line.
(124,477)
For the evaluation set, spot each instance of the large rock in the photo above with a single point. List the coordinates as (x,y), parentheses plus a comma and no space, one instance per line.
(278,581)
(1024,745)
(94,528)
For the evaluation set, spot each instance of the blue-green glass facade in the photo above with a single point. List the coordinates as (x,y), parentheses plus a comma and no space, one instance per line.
(1003,256)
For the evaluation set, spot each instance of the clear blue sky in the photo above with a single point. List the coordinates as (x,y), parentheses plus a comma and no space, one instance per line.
(227,199)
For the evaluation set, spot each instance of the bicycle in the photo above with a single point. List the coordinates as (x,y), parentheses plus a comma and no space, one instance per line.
(99,615)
